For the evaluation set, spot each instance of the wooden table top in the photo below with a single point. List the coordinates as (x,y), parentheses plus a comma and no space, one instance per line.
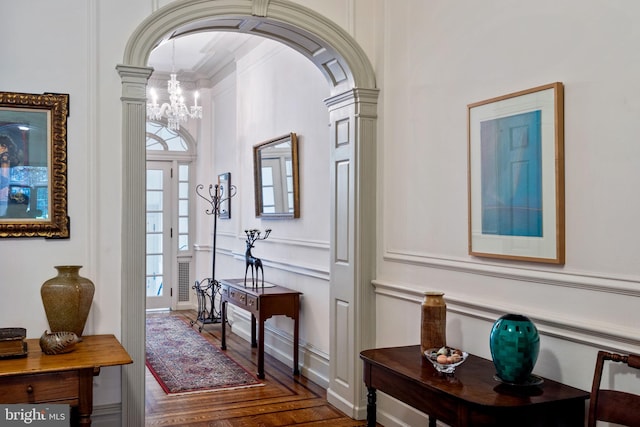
(473,381)
(268,289)
(94,351)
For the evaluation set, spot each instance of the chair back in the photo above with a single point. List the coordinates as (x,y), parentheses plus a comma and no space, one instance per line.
(610,405)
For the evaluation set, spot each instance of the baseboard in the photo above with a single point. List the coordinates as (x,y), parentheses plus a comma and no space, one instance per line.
(107,415)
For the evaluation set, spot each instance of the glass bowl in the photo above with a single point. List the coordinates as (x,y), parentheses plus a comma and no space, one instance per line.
(449,367)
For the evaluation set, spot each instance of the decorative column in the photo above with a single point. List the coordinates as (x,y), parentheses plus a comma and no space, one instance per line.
(133,298)
(353,118)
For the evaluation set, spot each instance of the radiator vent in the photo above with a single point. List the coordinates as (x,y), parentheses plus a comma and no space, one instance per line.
(183,282)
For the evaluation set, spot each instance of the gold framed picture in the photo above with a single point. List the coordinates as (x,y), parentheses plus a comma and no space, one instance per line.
(33,165)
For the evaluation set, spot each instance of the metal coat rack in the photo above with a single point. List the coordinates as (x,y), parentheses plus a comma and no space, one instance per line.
(208,288)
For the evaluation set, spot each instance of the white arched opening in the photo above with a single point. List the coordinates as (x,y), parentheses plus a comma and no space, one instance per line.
(352,114)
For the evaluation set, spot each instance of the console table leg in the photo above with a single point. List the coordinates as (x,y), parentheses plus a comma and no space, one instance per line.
(371,407)
(296,337)
(261,350)
(254,342)
(223,344)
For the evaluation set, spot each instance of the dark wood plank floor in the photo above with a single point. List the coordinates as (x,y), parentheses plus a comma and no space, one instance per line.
(284,400)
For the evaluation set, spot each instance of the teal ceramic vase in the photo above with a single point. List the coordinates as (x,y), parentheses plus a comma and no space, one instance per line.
(515,344)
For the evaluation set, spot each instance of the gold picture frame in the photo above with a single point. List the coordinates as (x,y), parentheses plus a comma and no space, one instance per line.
(33,165)
(516,176)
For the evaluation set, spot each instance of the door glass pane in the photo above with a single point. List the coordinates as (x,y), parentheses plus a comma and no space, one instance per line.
(268,198)
(183,225)
(183,190)
(154,222)
(183,207)
(183,172)
(183,242)
(154,286)
(154,264)
(154,243)
(154,179)
(154,200)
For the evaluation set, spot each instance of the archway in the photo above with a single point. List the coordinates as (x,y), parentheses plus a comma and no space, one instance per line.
(352,114)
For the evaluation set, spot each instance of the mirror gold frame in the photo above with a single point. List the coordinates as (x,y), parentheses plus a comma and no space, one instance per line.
(275,171)
(33,165)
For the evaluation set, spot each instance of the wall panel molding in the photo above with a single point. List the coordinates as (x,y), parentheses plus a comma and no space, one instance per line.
(594,333)
(279,344)
(581,280)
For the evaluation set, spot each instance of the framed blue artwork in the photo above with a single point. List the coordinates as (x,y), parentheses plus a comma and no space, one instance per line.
(516,176)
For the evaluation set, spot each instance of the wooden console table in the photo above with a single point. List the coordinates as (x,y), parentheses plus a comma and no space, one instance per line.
(60,378)
(471,396)
(262,303)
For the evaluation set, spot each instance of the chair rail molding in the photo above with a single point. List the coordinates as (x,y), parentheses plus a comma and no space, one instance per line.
(594,334)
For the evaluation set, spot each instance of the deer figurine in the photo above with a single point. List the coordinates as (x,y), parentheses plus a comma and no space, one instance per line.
(252,262)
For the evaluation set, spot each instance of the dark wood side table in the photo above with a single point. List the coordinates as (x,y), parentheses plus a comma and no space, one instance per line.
(262,303)
(61,378)
(469,397)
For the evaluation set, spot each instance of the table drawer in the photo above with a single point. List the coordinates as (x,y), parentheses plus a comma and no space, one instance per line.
(239,297)
(39,388)
(252,302)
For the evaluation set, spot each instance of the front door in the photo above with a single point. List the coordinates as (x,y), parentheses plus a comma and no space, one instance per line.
(158,233)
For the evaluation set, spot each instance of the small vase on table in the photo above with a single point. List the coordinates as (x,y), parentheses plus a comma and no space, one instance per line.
(433,333)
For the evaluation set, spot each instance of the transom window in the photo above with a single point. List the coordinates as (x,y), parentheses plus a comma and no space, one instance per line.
(161,138)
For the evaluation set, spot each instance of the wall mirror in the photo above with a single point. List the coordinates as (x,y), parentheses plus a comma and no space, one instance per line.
(275,171)
(33,165)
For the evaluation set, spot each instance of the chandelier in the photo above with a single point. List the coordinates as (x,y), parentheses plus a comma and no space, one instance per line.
(176,111)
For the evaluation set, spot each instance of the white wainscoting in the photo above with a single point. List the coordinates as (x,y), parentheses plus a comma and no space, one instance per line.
(314,364)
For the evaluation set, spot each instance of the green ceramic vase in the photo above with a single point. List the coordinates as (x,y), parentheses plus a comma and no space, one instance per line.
(515,344)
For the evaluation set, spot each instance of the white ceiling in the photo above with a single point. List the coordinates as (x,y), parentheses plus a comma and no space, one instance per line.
(203,57)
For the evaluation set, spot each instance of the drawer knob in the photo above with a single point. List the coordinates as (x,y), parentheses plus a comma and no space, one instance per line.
(30,389)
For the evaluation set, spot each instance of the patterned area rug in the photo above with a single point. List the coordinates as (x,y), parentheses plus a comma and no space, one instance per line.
(182,361)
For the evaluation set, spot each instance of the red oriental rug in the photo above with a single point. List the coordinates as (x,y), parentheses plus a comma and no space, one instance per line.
(183,361)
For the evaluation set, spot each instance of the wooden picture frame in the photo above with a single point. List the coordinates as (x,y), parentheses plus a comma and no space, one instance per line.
(516,176)
(275,172)
(33,165)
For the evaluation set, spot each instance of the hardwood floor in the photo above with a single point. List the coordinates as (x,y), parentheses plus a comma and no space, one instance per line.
(284,400)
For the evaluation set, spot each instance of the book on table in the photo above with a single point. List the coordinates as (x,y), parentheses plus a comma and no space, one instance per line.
(13,342)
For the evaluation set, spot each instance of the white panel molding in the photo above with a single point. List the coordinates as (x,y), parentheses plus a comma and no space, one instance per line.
(321,244)
(314,363)
(299,268)
(313,244)
(596,334)
(586,281)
